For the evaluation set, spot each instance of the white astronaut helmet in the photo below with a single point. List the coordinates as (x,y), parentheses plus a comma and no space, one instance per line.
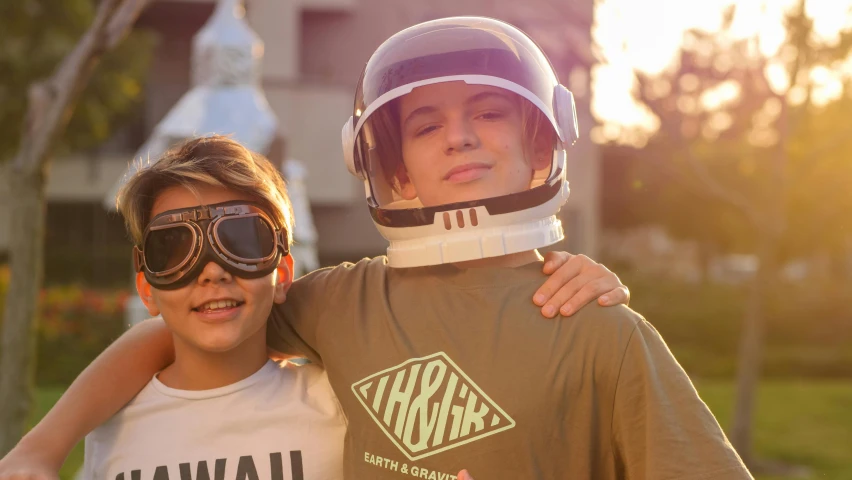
(477,51)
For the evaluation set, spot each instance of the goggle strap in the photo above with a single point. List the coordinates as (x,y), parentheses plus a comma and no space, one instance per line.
(138,259)
(281,239)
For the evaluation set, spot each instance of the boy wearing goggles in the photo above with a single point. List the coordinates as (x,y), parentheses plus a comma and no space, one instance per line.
(213,259)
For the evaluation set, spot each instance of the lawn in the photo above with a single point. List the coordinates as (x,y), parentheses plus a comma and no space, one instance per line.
(801,422)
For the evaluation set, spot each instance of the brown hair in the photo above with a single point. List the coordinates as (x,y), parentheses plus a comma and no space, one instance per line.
(384,124)
(217,161)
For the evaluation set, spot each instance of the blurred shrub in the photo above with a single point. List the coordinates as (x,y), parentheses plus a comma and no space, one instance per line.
(75,325)
(100,266)
(808,326)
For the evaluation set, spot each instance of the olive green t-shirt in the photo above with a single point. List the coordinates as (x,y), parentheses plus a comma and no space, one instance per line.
(439,369)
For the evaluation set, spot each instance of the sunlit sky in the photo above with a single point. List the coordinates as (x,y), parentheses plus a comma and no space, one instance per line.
(645,35)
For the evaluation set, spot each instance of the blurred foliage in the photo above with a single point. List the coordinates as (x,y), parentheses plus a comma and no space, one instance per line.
(75,325)
(100,267)
(809,326)
(636,193)
(35,35)
(721,130)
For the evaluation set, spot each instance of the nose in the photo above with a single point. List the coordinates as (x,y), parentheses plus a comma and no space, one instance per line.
(460,135)
(214,273)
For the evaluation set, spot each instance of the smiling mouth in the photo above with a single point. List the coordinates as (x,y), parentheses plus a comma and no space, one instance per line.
(467,173)
(218,305)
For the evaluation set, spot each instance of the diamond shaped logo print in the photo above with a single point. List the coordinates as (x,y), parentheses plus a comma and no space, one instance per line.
(429,405)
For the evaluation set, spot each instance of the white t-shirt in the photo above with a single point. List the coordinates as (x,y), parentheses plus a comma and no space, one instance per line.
(281,423)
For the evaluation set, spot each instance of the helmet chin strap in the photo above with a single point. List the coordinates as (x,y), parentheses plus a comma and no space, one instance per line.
(515,236)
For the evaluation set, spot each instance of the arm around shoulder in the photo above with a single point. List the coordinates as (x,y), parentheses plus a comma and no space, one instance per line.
(101,390)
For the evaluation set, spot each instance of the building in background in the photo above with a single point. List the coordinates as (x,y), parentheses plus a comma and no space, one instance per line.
(315,51)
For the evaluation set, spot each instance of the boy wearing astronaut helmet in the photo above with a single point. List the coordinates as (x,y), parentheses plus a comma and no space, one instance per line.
(480,107)
(459,132)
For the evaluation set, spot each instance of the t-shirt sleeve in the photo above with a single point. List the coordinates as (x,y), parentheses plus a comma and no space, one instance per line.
(661,427)
(314,303)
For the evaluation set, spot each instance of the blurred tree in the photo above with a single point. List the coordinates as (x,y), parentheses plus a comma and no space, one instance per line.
(67,38)
(758,164)
(636,192)
(36,35)
(819,202)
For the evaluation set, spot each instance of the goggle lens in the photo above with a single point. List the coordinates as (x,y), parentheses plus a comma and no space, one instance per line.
(248,238)
(167,248)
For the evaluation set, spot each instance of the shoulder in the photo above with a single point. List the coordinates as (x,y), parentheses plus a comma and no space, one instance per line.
(308,385)
(627,337)
(342,274)
(315,292)
(147,401)
(604,319)
(295,378)
(312,378)
(307,376)
(603,329)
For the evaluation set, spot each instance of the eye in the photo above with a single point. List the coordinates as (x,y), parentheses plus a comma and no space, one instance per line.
(491,115)
(425,130)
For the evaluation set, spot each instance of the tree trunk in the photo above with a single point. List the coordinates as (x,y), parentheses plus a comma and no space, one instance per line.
(751,348)
(50,105)
(17,364)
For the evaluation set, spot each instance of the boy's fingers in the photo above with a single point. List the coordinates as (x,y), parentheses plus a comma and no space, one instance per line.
(464,475)
(560,277)
(581,294)
(554,260)
(587,293)
(615,297)
(567,295)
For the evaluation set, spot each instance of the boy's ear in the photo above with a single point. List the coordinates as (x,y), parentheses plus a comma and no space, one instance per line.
(285,278)
(406,187)
(543,148)
(144,290)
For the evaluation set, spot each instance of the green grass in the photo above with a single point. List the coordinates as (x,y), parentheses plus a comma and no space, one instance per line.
(806,422)
(808,327)
(803,422)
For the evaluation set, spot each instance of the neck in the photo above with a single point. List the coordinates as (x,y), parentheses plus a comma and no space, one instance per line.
(198,369)
(505,261)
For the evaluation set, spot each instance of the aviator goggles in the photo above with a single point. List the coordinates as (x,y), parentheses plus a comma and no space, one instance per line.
(239,236)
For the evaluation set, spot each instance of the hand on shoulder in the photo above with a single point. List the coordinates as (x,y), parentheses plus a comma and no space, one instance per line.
(575,281)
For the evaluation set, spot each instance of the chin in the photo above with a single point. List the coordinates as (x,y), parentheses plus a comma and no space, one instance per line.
(222,345)
(218,341)
(477,192)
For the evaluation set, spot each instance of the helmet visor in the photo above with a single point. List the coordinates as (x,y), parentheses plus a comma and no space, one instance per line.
(456,144)
(461,46)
